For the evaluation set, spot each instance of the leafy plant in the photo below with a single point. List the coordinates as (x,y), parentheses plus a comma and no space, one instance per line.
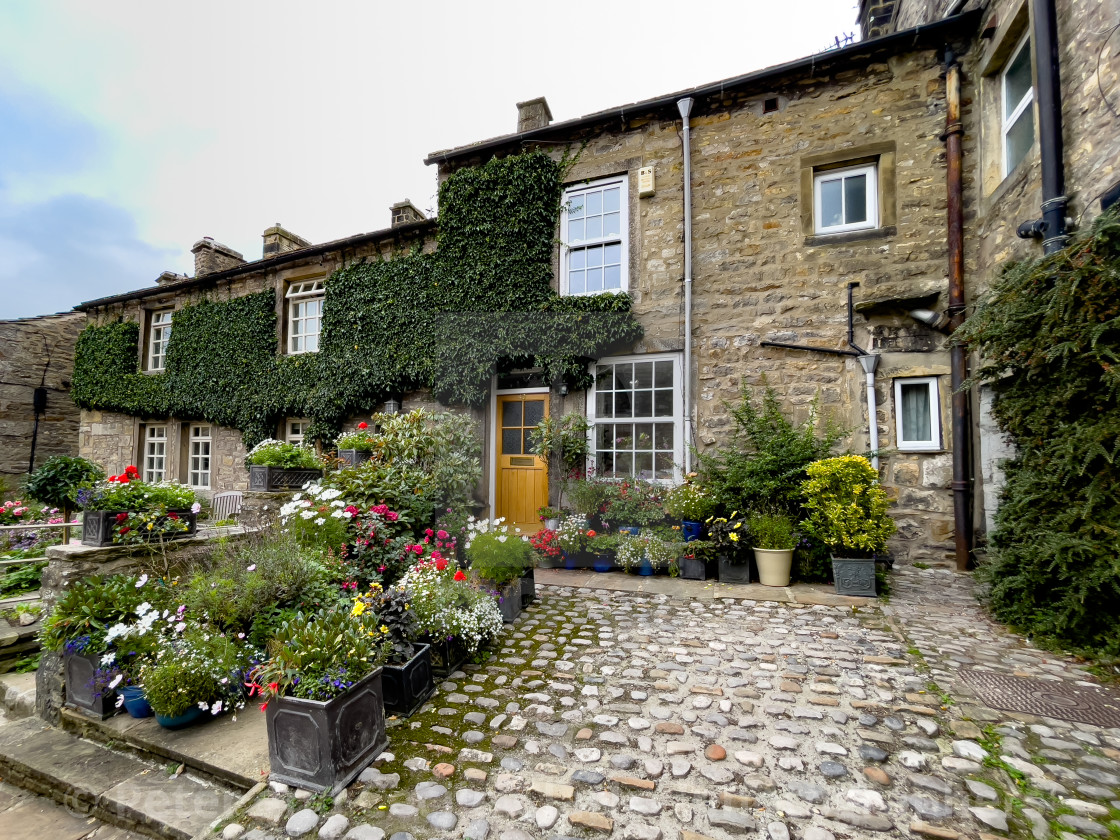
(446,606)
(847,509)
(573,534)
(17,580)
(127,492)
(633,502)
(727,533)
(282,454)
(496,553)
(763,461)
(546,544)
(360,440)
(563,443)
(152,525)
(689,501)
(59,477)
(771,531)
(589,496)
(89,607)
(393,609)
(203,670)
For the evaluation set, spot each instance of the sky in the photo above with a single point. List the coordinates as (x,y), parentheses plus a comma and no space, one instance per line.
(130,130)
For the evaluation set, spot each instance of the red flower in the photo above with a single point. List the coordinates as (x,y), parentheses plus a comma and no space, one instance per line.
(131,471)
(121,517)
(264,706)
(442,534)
(123,479)
(112,479)
(274,687)
(172,515)
(363,425)
(460,575)
(125,530)
(441,565)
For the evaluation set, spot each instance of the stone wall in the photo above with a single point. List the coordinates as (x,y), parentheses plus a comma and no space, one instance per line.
(37,352)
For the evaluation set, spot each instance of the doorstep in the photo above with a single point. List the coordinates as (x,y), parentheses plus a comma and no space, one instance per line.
(703,590)
(233,752)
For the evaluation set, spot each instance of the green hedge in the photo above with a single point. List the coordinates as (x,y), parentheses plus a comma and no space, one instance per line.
(1049,333)
(445,320)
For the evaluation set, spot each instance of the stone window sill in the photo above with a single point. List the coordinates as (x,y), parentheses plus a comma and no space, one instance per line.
(853,236)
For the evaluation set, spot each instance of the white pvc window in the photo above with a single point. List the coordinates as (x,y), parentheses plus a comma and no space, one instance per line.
(593,227)
(159,334)
(1017,89)
(155,453)
(636,413)
(199,457)
(295,430)
(846,199)
(917,414)
(305,316)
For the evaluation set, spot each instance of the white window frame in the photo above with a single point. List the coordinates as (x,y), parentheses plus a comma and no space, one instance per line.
(1009,121)
(295,430)
(678,410)
(299,294)
(201,443)
(933,445)
(622,238)
(159,334)
(871,170)
(155,453)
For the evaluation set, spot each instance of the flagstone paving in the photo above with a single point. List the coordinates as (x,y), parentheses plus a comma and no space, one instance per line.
(641,716)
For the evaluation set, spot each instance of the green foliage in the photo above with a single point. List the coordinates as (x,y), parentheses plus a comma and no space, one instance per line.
(499,557)
(88,608)
(771,531)
(633,502)
(689,501)
(147,526)
(59,477)
(444,320)
(17,580)
(394,610)
(763,463)
(1049,335)
(134,495)
(847,509)
(288,456)
(588,496)
(200,669)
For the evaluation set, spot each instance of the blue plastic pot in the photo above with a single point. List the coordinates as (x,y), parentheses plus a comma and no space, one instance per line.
(569,560)
(603,563)
(632,530)
(135,703)
(691,529)
(185,719)
(646,569)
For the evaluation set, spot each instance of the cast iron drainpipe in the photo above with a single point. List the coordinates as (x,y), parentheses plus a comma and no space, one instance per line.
(962,486)
(684,105)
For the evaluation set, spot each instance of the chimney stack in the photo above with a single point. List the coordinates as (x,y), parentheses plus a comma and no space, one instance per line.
(211,257)
(280,241)
(405,213)
(166,277)
(533,114)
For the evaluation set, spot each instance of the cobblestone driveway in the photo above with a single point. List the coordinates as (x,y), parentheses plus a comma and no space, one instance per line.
(648,717)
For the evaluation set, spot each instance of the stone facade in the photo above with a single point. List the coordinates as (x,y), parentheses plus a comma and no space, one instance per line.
(37,353)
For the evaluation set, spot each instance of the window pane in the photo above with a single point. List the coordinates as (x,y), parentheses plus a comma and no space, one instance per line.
(611,199)
(623,377)
(604,404)
(622,404)
(594,279)
(855,199)
(1019,139)
(832,203)
(916,421)
(605,462)
(604,376)
(577,258)
(612,277)
(527,444)
(534,412)
(594,256)
(1017,80)
(612,224)
(643,436)
(575,207)
(577,282)
(612,254)
(312,343)
(511,414)
(624,436)
(664,465)
(643,374)
(594,228)
(663,404)
(623,463)
(643,403)
(594,203)
(575,231)
(663,436)
(663,374)
(511,441)
(604,436)
(643,464)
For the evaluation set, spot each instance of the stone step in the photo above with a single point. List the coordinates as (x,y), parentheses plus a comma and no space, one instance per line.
(122,790)
(17,695)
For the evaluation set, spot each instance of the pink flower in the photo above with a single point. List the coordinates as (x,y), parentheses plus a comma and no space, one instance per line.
(442,534)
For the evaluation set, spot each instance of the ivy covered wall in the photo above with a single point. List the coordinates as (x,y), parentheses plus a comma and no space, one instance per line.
(444,320)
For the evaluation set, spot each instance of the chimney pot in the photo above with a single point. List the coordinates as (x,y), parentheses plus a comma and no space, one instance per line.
(211,256)
(533,114)
(404,213)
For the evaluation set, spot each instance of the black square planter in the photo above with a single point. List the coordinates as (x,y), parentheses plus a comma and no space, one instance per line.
(407,686)
(353,457)
(278,479)
(734,572)
(98,526)
(79,670)
(509,601)
(447,656)
(693,568)
(528,588)
(323,746)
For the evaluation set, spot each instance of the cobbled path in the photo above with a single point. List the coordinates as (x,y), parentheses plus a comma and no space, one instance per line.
(648,717)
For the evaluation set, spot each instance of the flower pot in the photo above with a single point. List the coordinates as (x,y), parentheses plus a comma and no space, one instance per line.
(693,568)
(447,655)
(98,526)
(632,530)
(547,562)
(734,572)
(552,524)
(79,670)
(691,529)
(528,588)
(509,601)
(603,562)
(135,703)
(278,479)
(187,718)
(406,687)
(773,566)
(854,575)
(353,457)
(570,560)
(323,745)
(645,568)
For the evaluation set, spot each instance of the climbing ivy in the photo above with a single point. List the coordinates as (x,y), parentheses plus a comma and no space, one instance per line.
(446,320)
(1050,335)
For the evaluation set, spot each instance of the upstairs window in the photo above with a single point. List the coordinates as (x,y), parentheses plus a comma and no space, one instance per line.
(593,230)
(159,334)
(305,316)
(155,453)
(1017,90)
(846,199)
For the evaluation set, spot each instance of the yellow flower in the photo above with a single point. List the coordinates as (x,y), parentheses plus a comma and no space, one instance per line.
(733,537)
(359,608)
(384,629)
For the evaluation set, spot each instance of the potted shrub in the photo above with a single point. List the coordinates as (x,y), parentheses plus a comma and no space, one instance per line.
(357,446)
(275,466)
(406,676)
(602,547)
(563,443)
(323,698)
(547,546)
(499,557)
(633,504)
(124,509)
(196,676)
(726,534)
(630,553)
(695,555)
(773,540)
(691,504)
(588,497)
(450,614)
(572,537)
(550,516)
(847,511)
(664,547)
(58,479)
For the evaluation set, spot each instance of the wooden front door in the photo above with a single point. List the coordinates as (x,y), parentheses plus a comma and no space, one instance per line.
(522,477)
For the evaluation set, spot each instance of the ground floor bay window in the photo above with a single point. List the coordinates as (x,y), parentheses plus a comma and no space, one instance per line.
(636,413)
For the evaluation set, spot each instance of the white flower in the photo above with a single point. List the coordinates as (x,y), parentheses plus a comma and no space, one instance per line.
(251,568)
(202,704)
(329,493)
(217,710)
(501,538)
(339,514)
(297,497)
(143,579)
(320,521)
(306,514)
(116,681)
(120,701)
(107,659)
(180,627)
(143,608)
(338,504)
(196,507)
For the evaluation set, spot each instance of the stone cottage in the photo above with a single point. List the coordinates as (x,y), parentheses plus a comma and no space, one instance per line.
(818,226)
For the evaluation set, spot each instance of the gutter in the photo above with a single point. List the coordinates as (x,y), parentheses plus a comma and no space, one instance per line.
(931,35)
(259,265)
